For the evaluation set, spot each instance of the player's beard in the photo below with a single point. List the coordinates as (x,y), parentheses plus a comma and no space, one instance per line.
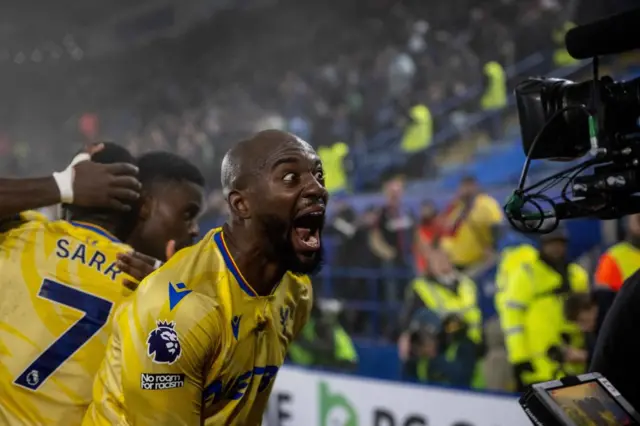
(278,234)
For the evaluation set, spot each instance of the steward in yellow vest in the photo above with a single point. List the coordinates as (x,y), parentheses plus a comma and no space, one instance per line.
(419,133)
(532,317)
(443,353)
(495,95)
(511,259)
(621,260)
(561,57)
(324,343)
(615,266)
(332,158)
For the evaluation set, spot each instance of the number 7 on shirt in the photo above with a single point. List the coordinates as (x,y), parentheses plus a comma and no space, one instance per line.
(96,313)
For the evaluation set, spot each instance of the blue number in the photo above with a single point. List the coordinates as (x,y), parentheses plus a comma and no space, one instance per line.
(96,313)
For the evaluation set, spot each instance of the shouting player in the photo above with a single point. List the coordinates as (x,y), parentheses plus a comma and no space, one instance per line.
(61,283)
(204,336)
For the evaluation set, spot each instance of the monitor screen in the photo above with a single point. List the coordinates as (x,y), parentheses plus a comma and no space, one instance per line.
(589,404)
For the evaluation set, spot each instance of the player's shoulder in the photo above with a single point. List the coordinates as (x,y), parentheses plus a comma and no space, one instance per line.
(298,280)
(179,285)
(170,299)
(199,260)
(32,216)
(299,287)
(18,221)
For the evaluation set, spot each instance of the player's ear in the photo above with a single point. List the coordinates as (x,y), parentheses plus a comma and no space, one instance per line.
(146,202)
(239,205)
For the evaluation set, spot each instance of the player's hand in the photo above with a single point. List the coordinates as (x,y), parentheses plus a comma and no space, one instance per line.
(105,185)
(139,265)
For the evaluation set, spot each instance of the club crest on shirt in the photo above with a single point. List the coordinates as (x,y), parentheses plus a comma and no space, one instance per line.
(163,346)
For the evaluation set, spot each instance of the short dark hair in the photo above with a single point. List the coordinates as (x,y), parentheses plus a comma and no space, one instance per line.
(111,153)
(576,304)
(161,167)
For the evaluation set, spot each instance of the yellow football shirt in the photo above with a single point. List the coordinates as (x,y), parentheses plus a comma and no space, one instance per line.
(470,241)
(59,286)
(195,342)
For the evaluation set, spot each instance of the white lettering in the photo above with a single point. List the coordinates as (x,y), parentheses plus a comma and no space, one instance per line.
(161,381)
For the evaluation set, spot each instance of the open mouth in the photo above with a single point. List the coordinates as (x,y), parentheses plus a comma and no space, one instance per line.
(307,227)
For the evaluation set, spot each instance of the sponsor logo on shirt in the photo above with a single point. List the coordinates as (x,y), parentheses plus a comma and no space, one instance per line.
(161,381)
(163,346)
(236,387)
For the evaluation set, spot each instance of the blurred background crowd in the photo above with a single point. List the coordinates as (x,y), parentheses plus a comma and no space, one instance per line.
(409,105)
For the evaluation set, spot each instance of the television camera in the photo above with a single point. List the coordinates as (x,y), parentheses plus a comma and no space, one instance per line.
(562,120)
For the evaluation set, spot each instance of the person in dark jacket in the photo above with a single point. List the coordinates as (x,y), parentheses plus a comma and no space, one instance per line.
(617,348)
(441,351)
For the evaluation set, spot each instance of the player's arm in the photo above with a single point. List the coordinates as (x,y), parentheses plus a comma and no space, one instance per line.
(83,183)
(165,357)
(18,195)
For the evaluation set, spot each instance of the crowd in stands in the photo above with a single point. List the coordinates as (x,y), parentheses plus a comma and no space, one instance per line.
(328,71)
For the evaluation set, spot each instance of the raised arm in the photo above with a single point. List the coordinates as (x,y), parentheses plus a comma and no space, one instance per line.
(85,184)
(18,195)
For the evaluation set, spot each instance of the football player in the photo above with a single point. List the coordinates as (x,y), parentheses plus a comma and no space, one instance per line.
(203,337)
(61,283)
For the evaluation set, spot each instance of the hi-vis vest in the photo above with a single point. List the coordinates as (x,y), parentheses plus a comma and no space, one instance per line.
(344,349)
(332,158)
(419,133)
(561,57)
(617,264)
(443,301)
(533,318)
(495,95)
(511,259)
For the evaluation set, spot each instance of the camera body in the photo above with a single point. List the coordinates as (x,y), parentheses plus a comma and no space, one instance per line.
(568,136)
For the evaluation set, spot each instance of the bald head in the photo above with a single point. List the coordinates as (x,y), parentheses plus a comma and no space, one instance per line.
(247,159)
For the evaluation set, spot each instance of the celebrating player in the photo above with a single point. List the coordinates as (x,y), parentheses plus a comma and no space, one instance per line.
(61,283)
(204,336)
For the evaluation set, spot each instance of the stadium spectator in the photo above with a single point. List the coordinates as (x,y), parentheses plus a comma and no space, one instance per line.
(416,139)
(581,313)
(441,351)
(442,291)
(472,224)
(621,260)
(533,319)
(323,342)
(426,235)
(496,370)
(494,99)
(342,227)
(358,254)
(615,266)
(393,238)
